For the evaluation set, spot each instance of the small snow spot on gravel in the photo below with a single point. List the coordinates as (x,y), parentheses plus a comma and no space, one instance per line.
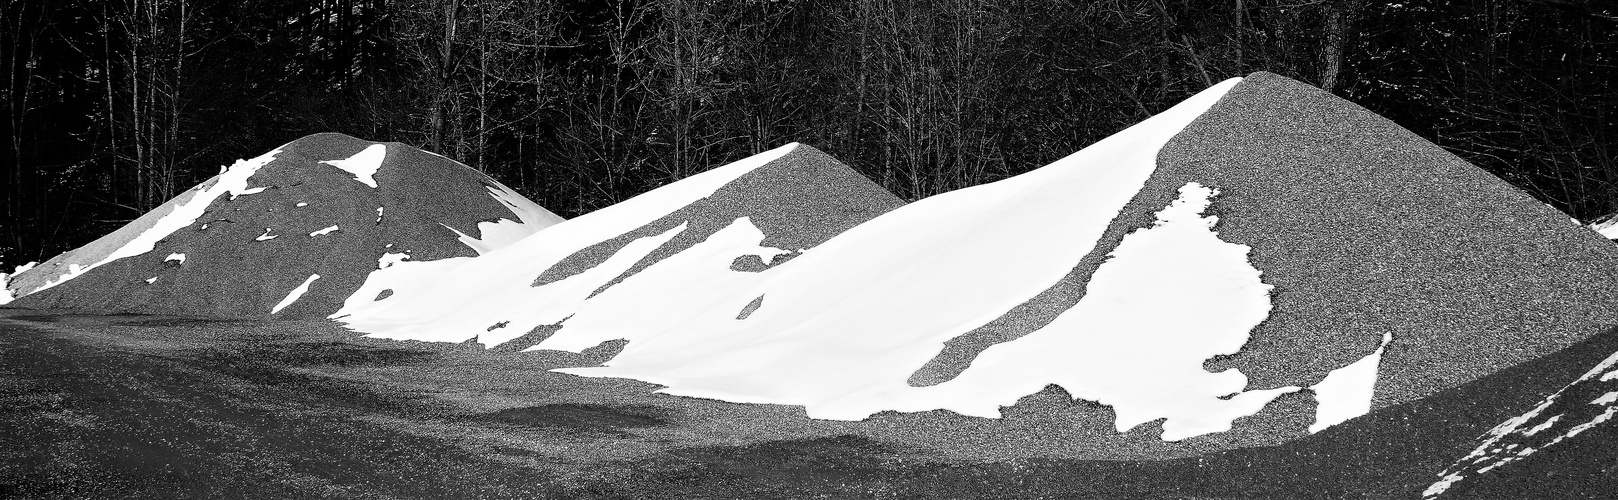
(256,190)
(364,164)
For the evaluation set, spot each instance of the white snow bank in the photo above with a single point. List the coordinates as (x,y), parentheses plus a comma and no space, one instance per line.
(1346,392)
(295,294)
(459,301)
(6,295)
(847,322)
(364,164)
(1608,228)
(232,180)
(327,230)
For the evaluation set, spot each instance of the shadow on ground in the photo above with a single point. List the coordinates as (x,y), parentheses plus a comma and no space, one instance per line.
(607,419)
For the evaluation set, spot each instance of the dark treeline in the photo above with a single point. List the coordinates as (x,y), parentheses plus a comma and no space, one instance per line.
(113,106)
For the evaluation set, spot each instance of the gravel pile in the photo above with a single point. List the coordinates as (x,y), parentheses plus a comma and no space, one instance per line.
(243,256)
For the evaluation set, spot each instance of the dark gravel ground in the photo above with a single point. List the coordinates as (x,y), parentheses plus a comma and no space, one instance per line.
(167,407)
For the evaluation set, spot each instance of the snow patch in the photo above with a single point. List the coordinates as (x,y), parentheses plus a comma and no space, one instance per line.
(295,294)
(1541,427)
(1607,226)
(266,236)
(1346,392)
(364,164)
(177,258)
(244,192)
(328,230)
(302,204)
(394,272)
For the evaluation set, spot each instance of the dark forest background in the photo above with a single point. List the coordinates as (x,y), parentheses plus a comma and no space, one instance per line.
(110,107)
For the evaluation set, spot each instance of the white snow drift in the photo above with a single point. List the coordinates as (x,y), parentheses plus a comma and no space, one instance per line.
(840,328)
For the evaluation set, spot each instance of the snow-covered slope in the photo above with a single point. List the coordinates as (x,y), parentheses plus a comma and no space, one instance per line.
(1261,241)
(840,329)
(326,205)
(790,198)
(1606,226)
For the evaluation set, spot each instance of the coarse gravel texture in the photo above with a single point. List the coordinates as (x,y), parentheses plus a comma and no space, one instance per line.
(147,406)
(230,272)
(1363,228)
(798,200)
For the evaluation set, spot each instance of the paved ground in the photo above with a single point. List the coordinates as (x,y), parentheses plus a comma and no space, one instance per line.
(157,407)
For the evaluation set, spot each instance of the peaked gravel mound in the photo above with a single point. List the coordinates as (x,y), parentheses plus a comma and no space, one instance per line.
(797,200)
(1367,233)
(289,234)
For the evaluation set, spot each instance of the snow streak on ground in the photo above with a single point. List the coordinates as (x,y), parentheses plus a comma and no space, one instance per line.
(295,294)
(1515,439)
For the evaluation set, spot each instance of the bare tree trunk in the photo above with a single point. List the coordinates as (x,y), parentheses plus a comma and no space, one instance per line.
(439,114)
(172,141)
(1339,18)
(111,110)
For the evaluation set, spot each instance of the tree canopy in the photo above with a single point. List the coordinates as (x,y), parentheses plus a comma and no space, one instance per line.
(112,107)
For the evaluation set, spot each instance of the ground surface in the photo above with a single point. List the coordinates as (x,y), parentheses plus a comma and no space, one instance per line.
(162,407)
